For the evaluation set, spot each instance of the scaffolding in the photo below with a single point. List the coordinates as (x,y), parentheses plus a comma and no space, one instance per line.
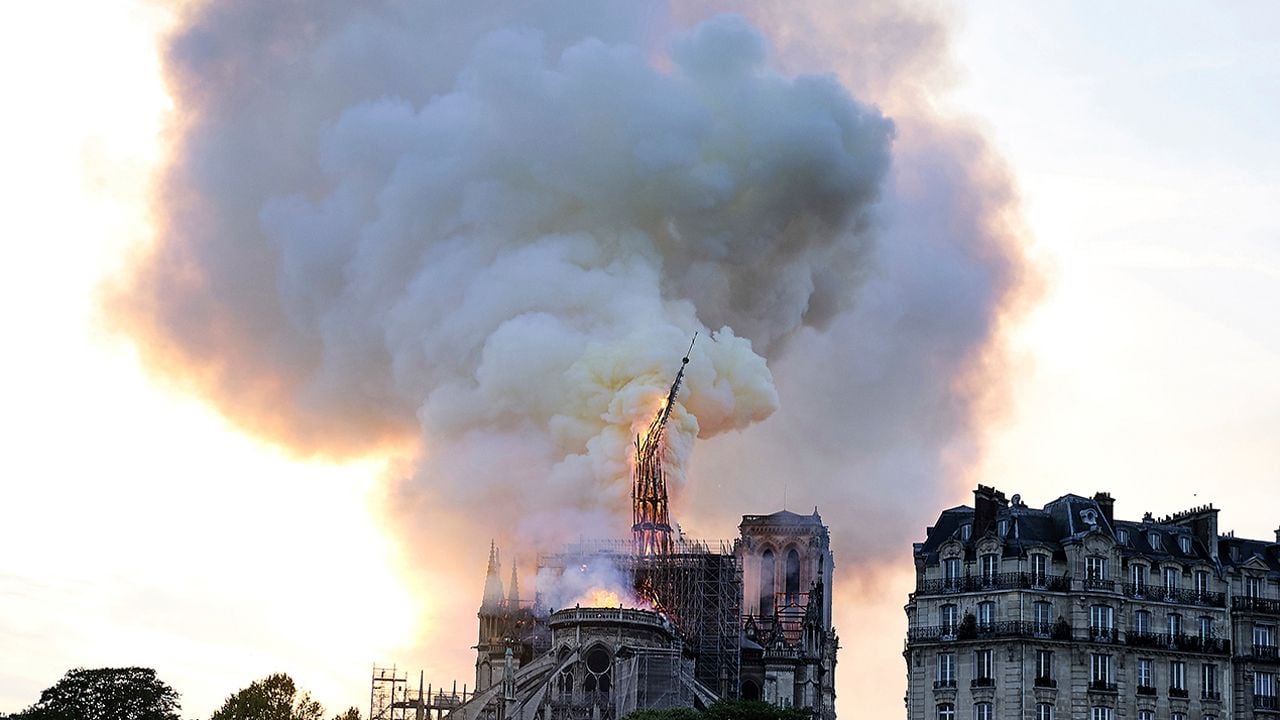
(391,699)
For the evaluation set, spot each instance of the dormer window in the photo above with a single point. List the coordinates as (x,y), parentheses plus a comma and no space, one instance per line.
(1003,527)
(1184,543)
(1153,539)
(1122,536)
(966,531)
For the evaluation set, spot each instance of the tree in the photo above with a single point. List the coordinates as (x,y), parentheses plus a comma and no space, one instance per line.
(131,693)
(274,697)
(351,713)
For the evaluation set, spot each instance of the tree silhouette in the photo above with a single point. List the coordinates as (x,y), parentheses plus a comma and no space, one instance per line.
(132,693)
(274,697)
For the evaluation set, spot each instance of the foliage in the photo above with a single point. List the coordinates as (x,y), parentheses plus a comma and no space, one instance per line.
(274,697)
(725,710)
(350,713)
(131,693)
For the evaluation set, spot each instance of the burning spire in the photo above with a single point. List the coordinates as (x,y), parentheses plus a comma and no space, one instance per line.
(651,529)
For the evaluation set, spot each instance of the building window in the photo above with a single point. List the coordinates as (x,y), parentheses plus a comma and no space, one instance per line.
(987,564)
(767,577)
(946,711)
(966,531)
(1145,715)
(1264,684)
(1142,622)
(1101,622)
(1202,582)
(1184,543)
(950,618)
(1177,675)
(1003,527)
(1177,716)
(986,615)
(1122,536)
(1039,570)
(982,711)
(1144,673)
(1263,637)
(1252,587)
(1044,665)
(983,664)
(951,572)
(1043,617)
(1044,711)
(1100,669)
(1171,577)
(1153,539)
(793,577)
(1175,625)
(1206,627)
(1101,713)
(1209,681)
(1095,568)
(1138,576)
(946,669)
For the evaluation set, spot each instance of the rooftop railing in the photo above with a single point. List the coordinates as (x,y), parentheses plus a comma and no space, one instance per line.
(1177,641)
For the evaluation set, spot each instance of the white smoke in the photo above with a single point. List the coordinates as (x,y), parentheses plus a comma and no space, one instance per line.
(483,237)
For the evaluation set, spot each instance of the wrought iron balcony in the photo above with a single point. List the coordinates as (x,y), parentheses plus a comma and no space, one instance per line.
(1100,584)
(1159,593)
(997,581)
(1178,693)
(941,684)
(1102,635)
(982,682)
(1265,653)
(1045,682)
(983,631)
(1265,702)
(1102,686)
(1265,606)
(1178,641)
(1147,690)
(1211,695)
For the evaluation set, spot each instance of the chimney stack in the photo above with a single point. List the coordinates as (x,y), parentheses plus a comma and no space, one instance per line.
(1107,505)
(987,501)
(1278,536)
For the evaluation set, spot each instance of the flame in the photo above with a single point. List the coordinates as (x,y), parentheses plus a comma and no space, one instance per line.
(601,597)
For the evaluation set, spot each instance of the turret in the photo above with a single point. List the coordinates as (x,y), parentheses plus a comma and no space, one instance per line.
(513,598)
(492,582)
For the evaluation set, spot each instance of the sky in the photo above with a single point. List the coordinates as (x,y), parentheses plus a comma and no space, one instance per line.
(143,527)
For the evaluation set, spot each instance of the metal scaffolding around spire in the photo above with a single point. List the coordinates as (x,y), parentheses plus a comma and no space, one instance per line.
(651,525)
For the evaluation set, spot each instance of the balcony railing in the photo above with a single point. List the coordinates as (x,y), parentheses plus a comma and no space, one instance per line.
(1102,686)
(1159,593)
(1100,584)
(1211,695)
(1103,635)
(1044,682)
(1266,606)
(1147,690)
(1178,693)
(1177,641)
(940,684)
(982,682)
(1265,653)
(1265,702)
(970,631)
(998,581)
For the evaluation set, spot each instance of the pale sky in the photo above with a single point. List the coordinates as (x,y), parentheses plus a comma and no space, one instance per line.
(138,527)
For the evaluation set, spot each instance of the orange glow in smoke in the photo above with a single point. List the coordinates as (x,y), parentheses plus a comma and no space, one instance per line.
(600,597)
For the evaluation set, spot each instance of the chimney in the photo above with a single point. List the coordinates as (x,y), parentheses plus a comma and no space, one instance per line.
(1278,536)
(987,501)
(1107,505)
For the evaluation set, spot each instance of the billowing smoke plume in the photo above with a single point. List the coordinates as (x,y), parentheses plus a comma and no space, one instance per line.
(483,239)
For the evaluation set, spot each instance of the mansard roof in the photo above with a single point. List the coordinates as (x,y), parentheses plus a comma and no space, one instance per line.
(782,517)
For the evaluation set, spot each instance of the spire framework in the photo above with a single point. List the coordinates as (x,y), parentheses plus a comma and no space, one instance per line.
(651,526)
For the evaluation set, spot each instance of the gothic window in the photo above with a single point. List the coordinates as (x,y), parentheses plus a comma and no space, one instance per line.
(793,574)
(767,576)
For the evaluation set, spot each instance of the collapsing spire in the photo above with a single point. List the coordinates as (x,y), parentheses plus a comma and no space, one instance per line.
(651,529)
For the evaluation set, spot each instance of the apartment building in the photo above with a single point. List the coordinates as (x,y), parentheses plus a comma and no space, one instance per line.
(1066,612)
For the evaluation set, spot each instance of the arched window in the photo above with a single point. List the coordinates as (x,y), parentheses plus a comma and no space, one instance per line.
(750,690)
(793,573)
(767,574)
